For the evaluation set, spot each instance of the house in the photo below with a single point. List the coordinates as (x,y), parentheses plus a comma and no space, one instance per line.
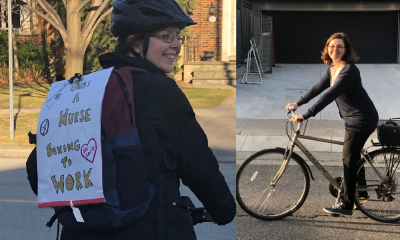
(27,26)
(301,28)
(214,34)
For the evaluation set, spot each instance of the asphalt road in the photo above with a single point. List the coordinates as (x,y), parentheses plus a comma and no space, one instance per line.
(310,222)
(212,231)
(22,220)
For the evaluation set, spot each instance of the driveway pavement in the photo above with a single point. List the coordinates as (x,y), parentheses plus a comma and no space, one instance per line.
(261,121)
(288,82)
(261,116)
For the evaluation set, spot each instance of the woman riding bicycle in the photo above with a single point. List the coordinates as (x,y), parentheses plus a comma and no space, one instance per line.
(343,81)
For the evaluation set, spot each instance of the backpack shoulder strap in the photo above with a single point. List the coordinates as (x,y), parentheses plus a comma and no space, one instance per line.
(126,72)
(126,92)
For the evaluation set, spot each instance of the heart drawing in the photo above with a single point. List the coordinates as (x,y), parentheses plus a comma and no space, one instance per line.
(88,151)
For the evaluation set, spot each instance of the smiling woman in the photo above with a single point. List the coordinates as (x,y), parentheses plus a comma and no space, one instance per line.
(142,105)
(355,107)
(164,46)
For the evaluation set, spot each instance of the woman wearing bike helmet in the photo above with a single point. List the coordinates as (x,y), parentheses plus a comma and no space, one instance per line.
(149,41)
(343,81)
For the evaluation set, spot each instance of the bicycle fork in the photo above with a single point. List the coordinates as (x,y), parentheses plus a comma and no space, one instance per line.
(286,160)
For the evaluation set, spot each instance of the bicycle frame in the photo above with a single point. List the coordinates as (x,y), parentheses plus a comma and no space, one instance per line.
(296,142)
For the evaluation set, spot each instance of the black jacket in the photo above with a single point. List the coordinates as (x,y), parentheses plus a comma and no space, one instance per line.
(165,119)
(355,106)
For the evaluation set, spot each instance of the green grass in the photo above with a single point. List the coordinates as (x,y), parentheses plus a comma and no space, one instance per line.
(27,97)
(24,123)
(206,98)
(32,97)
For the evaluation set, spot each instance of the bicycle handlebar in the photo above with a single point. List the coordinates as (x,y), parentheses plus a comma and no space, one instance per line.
(291,110)
(290,113)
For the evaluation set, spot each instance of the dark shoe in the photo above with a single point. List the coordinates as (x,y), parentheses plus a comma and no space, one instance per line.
(338,209)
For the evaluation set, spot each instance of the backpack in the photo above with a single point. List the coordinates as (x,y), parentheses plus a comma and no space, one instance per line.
(126,187)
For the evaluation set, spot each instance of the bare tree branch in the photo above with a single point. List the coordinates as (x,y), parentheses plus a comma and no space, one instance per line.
(86,40)
(50,10)
(92,22)
(82,5)
(94,5)
(59,27)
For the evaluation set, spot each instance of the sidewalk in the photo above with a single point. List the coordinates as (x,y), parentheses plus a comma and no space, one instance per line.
(256,134)
(261,117)
(219,124)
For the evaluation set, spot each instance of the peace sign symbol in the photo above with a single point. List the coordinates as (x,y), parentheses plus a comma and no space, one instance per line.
(44,127)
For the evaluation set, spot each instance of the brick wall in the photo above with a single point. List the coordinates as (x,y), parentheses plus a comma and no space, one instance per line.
(207,35)
(43,31)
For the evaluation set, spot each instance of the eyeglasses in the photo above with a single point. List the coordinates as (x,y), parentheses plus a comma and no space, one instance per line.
(169,38)
(337,47)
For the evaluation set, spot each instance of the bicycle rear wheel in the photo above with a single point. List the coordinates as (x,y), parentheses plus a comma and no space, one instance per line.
(383,203)
(253,185)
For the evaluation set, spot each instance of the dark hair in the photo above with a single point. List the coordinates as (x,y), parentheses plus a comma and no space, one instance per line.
(349,56)
(124,46)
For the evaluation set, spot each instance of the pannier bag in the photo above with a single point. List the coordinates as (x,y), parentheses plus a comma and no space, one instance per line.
(389,132)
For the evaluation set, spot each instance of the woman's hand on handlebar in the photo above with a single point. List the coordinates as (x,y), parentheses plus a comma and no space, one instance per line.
(297,118)
(291,104)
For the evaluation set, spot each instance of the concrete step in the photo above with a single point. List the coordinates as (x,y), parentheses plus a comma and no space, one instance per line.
(325,158)
(257,143)
(213,80)
(191,66)
(215,74)
(277,127)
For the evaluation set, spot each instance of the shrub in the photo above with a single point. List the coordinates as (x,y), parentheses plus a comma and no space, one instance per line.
(33,61)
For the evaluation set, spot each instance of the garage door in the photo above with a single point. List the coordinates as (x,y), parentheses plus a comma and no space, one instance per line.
(301,36)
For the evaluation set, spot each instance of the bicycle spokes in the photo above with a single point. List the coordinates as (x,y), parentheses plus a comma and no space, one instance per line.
(391,163)
(264,203)
(377,188)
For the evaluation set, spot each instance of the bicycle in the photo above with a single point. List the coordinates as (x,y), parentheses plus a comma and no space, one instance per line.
(274,183)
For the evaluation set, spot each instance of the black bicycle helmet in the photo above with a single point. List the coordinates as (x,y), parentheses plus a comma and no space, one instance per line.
(146,15)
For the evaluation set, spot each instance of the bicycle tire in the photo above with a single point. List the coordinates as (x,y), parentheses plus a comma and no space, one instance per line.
(253,185)
(382,205)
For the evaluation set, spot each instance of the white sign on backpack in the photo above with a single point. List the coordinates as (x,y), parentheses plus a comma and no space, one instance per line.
(69,159)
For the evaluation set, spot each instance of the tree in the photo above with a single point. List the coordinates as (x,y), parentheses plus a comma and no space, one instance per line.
(102,42)
(75,35)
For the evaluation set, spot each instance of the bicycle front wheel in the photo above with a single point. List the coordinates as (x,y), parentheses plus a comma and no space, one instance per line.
(258,198)
(381,193)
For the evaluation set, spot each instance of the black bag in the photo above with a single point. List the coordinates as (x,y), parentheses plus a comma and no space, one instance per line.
(389,132)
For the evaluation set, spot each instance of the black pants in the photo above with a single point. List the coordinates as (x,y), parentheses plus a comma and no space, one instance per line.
(353,143)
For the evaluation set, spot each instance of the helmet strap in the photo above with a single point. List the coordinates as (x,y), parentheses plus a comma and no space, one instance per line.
(146,40)
(131,50)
